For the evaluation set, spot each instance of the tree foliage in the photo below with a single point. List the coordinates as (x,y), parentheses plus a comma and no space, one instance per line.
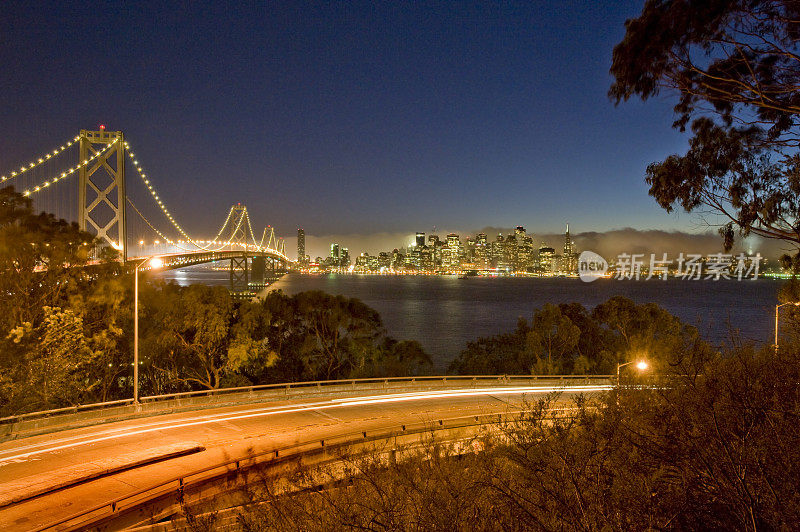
(566,338)
(735,68)
(38,255)
(60,321)
(199,337)
(187,332)
(315,336)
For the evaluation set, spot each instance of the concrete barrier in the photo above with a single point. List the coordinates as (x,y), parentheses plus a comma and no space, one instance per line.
(152,504)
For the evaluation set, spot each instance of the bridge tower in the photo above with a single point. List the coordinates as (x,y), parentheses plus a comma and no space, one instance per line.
(240,237)
(101,188)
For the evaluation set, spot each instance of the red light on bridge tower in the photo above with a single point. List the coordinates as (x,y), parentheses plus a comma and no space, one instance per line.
(102,127)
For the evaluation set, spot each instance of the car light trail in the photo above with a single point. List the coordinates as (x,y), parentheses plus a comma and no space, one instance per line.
(69,443)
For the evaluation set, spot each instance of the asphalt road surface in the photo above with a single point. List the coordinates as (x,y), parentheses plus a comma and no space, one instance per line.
(42,463)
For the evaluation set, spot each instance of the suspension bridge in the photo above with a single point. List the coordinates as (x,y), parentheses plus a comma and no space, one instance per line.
(132,217)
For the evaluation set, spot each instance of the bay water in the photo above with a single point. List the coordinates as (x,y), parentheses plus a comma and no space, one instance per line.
(444,313)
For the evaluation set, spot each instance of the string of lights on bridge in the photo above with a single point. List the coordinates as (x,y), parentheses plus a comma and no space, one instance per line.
(177,244)
(66,173)
(153,193)
(259,246)
(36,162)
(197,243)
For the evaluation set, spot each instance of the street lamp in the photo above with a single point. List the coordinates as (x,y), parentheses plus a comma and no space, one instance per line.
(154,263)
(641,365)
(776,320)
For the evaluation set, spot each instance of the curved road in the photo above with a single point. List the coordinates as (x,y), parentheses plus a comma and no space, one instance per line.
(38,474)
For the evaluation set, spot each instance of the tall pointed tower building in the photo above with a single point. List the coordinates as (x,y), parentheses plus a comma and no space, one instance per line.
(570,257)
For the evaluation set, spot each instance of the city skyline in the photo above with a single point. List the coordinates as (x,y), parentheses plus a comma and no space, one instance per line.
(515,252)
(606,243)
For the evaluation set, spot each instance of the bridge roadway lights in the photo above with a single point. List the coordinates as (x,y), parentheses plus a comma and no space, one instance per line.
(249,271)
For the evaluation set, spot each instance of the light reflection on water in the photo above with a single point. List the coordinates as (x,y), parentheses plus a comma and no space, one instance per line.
(194,275)
(444,313)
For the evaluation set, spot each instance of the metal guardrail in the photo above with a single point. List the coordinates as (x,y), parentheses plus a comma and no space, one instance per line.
(154,399)
(180,483)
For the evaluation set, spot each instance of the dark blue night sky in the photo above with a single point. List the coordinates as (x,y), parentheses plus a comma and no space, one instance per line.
(348,117)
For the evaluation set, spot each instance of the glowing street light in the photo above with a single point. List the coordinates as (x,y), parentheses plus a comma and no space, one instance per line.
(776,320)
(641,365)
(154,263)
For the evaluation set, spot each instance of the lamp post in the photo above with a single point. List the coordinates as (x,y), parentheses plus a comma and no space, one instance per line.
(776,320)
(154,264)
(641,365)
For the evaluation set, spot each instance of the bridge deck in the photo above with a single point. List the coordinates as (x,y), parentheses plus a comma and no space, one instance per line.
(173,261)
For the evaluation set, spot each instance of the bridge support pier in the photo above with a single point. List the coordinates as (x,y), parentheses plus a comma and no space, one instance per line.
(239,274)
(258,270)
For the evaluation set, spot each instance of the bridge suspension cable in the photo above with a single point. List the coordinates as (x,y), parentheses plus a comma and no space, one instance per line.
(39,160)
(250,226)
(263,236)
(238,226)
(66,173)
(169,216)
(272,243)
(154,194)
(159,233)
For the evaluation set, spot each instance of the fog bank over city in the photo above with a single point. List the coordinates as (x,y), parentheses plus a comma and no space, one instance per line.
(609,244)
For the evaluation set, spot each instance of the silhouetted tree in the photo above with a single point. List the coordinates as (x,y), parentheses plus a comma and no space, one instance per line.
(566,338)
(59,324)
(502,354)
(644,331)
(735,67)
(553,339)
(188,333)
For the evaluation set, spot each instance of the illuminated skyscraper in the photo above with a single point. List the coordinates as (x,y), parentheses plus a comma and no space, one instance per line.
(570,258)
(451,254)
(301,246)
(482,251)
(420,240)
(525,251)
(548,260)
(435,246)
